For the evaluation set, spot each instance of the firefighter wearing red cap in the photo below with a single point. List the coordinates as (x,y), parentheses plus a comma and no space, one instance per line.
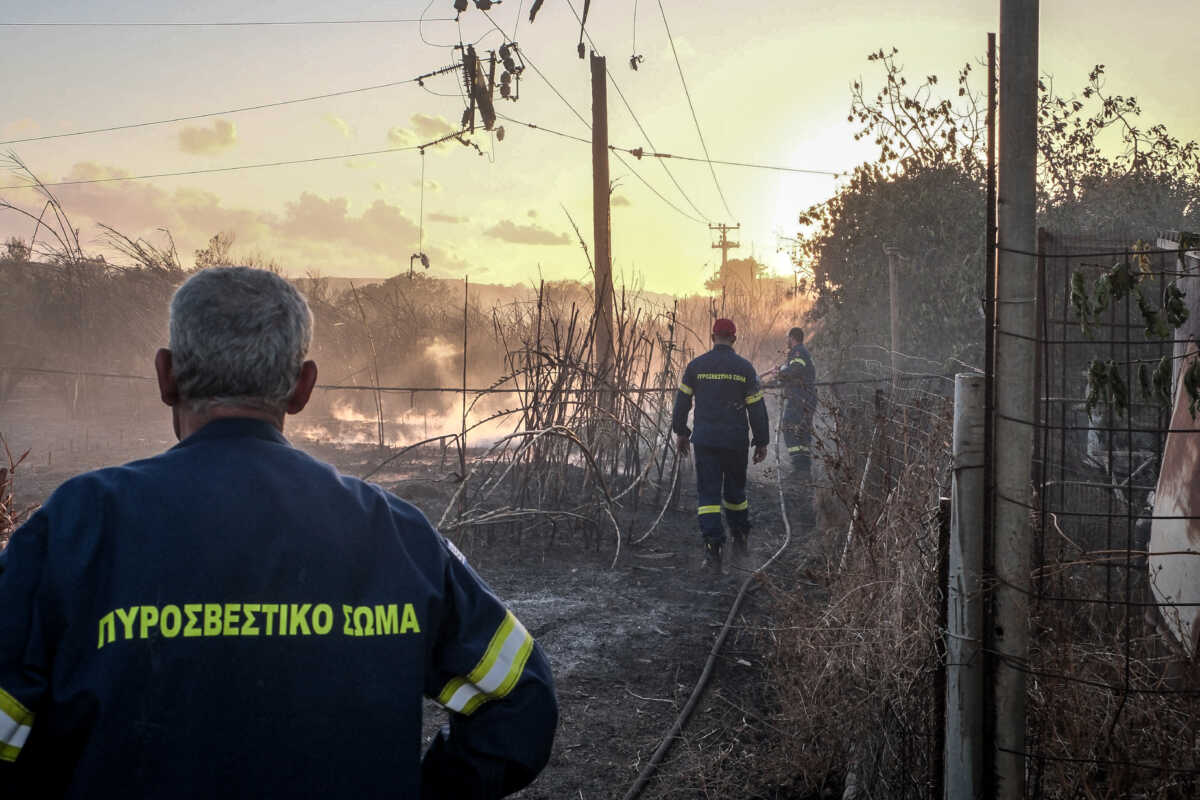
(724,387)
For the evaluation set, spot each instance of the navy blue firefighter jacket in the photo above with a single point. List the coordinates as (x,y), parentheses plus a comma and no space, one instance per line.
(726,391)
(799,378)
(233,618)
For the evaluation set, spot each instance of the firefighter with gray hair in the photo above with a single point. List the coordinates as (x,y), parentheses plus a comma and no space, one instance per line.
(233,615)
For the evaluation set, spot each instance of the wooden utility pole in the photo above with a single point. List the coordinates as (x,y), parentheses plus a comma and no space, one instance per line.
(1016,325)
(724,245)
(601,218)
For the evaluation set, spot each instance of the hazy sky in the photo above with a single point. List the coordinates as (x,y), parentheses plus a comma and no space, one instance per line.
(769,80)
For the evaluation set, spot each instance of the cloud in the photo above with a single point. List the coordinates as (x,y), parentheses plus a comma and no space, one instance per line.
(19,128)
(311,232)
(620,200)
(437,217)
(430,184)
(91,171)
(201,141)
(430,126)
(424,128)
(509,231)
(339,123)
(382,228)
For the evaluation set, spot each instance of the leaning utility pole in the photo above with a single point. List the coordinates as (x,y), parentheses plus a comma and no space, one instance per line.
(1015,344)
(601,218)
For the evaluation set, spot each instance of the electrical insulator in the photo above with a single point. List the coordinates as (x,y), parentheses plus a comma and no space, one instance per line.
(500,134)
(424,261)
(466,118)
(483,5)
(460,5)
(507,58)
(505,90)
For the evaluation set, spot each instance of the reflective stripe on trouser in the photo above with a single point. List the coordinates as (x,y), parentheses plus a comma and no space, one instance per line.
(721,485)
(798,438)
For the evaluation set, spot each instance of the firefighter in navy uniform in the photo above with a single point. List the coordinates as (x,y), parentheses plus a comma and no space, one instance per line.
(798,377)
(725,389)
(233,618)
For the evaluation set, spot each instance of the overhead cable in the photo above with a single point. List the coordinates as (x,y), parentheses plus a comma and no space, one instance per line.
(246,24)
(612,79)
(638,152)
(238,167)
(215,113)
(695,119)
(588,125)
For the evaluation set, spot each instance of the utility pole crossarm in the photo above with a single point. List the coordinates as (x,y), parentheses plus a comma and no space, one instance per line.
(725,245)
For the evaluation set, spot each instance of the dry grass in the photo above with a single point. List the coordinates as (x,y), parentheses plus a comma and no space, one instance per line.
(1114,706)
(11,516)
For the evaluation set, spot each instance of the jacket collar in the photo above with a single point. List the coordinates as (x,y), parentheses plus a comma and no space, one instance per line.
(236,428)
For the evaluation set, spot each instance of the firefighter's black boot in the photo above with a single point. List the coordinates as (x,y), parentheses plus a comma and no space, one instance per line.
(712,557)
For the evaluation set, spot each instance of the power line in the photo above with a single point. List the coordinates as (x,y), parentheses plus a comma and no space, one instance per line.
(238,167)
(247,24)
(588,125)
(696,120)
(638,122)
(258,107)
(638,152)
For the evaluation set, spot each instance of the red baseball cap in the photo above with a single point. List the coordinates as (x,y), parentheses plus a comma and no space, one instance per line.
(724,327)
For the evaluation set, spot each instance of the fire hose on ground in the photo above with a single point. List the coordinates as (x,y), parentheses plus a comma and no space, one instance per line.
(643,778)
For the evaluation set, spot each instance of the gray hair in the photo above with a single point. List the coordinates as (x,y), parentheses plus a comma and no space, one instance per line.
(238,337)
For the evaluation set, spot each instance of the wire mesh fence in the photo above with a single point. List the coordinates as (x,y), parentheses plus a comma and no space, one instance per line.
(856,656)
(1113,695)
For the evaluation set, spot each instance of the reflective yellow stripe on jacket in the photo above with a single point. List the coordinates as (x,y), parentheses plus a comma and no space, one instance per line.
(496,673)
(15,723)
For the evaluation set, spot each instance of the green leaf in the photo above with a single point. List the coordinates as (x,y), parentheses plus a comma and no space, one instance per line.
(1162,382)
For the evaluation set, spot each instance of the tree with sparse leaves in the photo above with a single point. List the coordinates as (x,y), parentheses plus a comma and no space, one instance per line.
(1099,168)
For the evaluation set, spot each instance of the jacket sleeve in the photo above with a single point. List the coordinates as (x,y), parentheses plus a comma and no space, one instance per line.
(683,403)
(756,408)
(24,645)
(495,681)
(793,372)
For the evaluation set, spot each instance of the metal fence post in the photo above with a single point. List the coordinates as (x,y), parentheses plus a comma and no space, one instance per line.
(963,761)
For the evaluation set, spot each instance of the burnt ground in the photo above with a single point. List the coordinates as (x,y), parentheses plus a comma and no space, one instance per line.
(627,643)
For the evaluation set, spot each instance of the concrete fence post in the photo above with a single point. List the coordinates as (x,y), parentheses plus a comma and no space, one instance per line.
(963,758)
